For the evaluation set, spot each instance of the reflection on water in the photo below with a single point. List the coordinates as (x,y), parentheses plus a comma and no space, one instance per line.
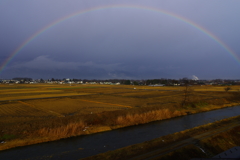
(84,146)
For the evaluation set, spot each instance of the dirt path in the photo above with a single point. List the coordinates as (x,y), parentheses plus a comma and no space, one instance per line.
(179,144)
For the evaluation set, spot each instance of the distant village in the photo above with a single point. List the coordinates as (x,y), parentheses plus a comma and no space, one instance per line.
(149,82)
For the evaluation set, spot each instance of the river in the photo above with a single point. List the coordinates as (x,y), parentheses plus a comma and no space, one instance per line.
(88,145)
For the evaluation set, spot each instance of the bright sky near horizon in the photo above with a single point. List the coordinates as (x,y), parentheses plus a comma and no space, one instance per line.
(125,39)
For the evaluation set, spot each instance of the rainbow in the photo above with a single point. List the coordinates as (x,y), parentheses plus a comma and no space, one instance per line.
(198,27)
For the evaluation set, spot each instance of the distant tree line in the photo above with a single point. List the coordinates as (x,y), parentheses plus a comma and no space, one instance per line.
(22,79)
(163,81)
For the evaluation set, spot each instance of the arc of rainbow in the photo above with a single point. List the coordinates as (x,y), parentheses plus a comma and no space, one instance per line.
(200,28)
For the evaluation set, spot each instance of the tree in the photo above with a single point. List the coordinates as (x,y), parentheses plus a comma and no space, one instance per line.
(186,91)
(127,82)
(135,83)
(227,89)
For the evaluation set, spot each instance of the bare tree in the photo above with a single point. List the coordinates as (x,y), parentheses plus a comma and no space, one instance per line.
(227,89)
(187,92)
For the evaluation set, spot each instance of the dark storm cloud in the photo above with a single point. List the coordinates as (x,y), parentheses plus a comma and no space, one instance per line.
(119,42)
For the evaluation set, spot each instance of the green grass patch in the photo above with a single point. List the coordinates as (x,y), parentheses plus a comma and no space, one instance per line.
(7,137)
(202,104)
(195,105)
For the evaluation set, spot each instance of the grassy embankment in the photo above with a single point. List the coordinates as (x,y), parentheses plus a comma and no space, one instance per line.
(95,108)
(223,135)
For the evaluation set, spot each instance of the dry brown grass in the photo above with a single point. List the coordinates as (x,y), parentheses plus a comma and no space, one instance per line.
(71,129)
(223,141)
(141,118)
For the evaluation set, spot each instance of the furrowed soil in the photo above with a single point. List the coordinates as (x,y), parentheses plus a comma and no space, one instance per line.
(35,113)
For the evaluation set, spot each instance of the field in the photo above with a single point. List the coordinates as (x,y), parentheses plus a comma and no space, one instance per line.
(41,111)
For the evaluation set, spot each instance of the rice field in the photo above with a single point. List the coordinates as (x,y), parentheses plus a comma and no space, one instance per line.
(22,103)
(54,100)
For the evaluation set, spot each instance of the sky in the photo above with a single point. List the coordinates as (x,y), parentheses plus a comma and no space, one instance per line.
(127,39)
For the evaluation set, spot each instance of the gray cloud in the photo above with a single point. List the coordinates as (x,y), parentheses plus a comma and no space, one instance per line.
(120,42)
(45,63)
